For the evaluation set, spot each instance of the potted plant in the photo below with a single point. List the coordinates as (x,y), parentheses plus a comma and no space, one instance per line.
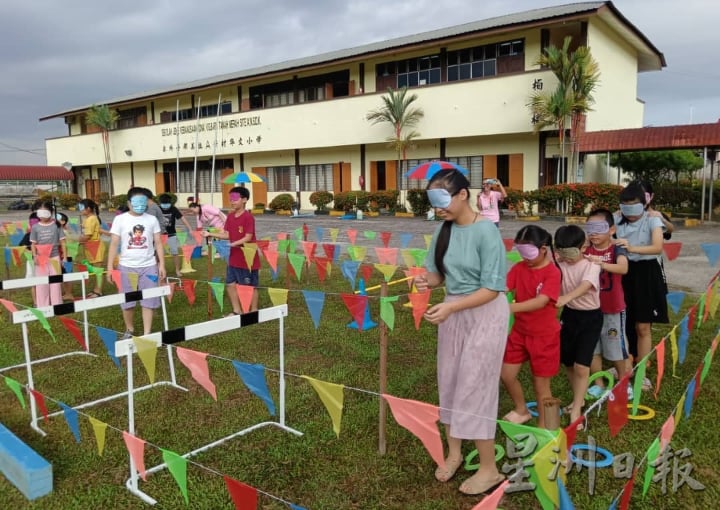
(282,204)
(258,208)
(320,199)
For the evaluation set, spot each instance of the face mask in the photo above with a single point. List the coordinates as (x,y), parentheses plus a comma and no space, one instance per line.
(234,197)
(81,207)
(632,209)
(597,227)
(33,221)
(439,198)
(138,204)
(568,253)
(165,206)
(528,251)
(43,214)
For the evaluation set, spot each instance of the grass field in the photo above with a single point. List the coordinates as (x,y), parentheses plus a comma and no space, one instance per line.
(317,471)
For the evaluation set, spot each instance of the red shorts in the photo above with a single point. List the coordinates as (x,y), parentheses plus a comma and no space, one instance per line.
(542,351)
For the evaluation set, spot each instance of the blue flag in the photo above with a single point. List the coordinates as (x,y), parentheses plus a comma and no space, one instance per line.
(108,337)
(253,376)
(405,238)
(689,396)
(315,301)
(675,300)
(349,270)
(71,417)
(712,252)
(683,339)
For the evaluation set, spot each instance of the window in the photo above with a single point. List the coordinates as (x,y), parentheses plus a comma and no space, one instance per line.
(281,178)
(409,164)
(211,110)
(279,99)
(474,166)
(480,61)
(309,94)
(503,168)
(412,72)
(185,114)
(204,175)
(104,181)
(316,177)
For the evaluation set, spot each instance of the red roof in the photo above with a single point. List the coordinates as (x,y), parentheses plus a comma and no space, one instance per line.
(34,173)
(687,136)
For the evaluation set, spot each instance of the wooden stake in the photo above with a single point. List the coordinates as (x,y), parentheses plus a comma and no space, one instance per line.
(382,442)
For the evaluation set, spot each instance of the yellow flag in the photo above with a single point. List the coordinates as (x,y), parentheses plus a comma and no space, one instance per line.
(56,265)
(407,257)
(278,296)
(674,349)
(360,252)
(249,250)
(99,428)
(133,277)
(333,234)
(545,461)
(428,238)
(11,228)
(331,395)
(387,270)
(147,351)
(679,410)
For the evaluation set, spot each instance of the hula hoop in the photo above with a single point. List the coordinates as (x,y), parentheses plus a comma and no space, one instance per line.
(649,413)
(606,461)
(499,454)
(598,375)
(532,409)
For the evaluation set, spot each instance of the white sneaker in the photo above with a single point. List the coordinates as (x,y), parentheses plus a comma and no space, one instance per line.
(630,393)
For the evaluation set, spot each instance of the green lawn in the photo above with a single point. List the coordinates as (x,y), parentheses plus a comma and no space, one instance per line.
(317,470)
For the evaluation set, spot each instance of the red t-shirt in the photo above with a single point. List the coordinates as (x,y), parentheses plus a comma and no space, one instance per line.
(237,227)
(612,297)
(529,283)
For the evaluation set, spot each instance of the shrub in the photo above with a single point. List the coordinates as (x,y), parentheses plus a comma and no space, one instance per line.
(282,202)
(348,200)
(118,201)
(419,202)
(514,200)
(259,205)
(68,200)
(103,198)
(386,199)
(46,196)
(320,199)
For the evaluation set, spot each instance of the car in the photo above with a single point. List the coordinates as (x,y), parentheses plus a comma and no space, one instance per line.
(19,205)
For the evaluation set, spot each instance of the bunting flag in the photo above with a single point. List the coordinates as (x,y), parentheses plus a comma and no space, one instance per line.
(12,228)
(360,252)
(370,234)
(702,308)
(571,430)
(108,337)
(707,361)
(163,241)
(308,249)
(331,395)
(675,299)
(413,271)
(223,249)
(712,252)
(297,262)
(319,233)
(667,431)
(627,491)
(99,429)
(679,409)
(71,417)
(689,397)
(617,406)
(715,302)
(43,254)
(330,250)
(243,496)
(253,377)
(196,362)
(349,270)
(188,287)
(385,238)
(673,348)
(136,448)
(683,340)
(428,240)
(387,270)
(272,258)
(116,278)
(245,295)
(92,248)
(492,500)
(323,265)
(198,236)
(74,330)
(16,389)
(387,310)
(692,317)
(43,321)
(672,250)
(187,251)
(278,296)
(660,355)
(249,252)
(218,290)
(421,420)
(9,305)
(177,466)
(181,237)
(652,454)
(356,306)
(147,352)
(545,464)
(298,233)
(170,296)
(565,501)
(133,279)
(282,236)
(73,247)
(352,235)
(405,238)
(40,401)
(16,237)
(638,382)
(387,255)
(315,301)
(419,301)
(366,270)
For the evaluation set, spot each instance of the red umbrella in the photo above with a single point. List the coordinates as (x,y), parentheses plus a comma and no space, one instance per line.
(427,170)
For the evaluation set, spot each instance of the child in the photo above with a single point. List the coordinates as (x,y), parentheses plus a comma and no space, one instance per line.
(581,319)
(239,228)
(47,232)
(613,263)
(536,332)
(67,287)
(644,285)
(137,236)
(171,214)
(90,215)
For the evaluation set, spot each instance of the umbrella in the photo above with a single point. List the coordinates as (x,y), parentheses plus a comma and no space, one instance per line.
(241,177)
(427,170)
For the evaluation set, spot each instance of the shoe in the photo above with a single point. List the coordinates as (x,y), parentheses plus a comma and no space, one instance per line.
(474,486)
(646,384)
(127,335)
(595,392)
(613,372)
(445,474)
(630,393)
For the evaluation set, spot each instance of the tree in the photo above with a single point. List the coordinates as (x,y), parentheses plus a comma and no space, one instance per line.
(658,166)
(104,118)
(398,111)
(578,75)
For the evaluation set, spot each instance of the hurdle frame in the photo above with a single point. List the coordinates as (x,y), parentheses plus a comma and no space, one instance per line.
(126,348)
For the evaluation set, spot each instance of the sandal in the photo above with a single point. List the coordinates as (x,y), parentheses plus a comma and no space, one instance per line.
(517,418)
(92,294)
(475,485)
(445,474)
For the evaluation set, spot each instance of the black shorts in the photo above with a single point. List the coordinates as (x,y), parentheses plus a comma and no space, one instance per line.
(579,334)
(645,289)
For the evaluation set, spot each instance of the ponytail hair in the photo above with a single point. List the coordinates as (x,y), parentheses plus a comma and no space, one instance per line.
(454,182)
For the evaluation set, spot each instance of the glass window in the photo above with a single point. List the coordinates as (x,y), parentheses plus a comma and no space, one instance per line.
(489,68)
(281,178)
(465,71)
(402,80)
(477,69)
(452,73)
(434,75)
(316,177)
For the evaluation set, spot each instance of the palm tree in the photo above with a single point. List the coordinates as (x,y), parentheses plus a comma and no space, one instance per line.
(105,119)
(578,75)
(398,111)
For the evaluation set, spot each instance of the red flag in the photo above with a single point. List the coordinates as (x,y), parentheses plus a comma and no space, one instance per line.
(198,236)
(243,496)
(660,353)
(571,431)
(72,327)
(40,401)
(385,238)
(627,492)
(708,300)
(116,278)
(356,306)
(245,295)
(189,289)
(366,271)
(163,239)
(692,315)
(617,406)
(329,250)
(697,382)
(352,235)
(421,420)
(509,243)
(672,250)
(272,257)
(321,264)
(308,249)
(92,247)
(43,253)
(419,301)
(414,271)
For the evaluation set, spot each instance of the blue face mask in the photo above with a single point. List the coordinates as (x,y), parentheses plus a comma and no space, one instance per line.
(138,204)
(165,206)
(81,207)
(439,197)
(632,209)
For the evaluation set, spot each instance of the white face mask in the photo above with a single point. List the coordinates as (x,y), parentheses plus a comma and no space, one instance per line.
(43,214)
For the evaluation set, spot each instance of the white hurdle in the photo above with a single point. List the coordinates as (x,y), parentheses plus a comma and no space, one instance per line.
(24,316)
(33,281)
(127,348)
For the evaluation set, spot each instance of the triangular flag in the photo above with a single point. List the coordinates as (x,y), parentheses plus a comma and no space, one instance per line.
(253,376)
(331,395)
(91,249)
(679,409)
(308,249)
(565,501)
(667,431)
(322,264)
(74,330)
(707,361)
(71,417)
(673,348)
(387,270)
(385,238)
(147,352)
(133,279)
(421,420)
(243,496)
(43,254)
(675,299)
(405,238)
(278,296)
(73,248)
(571,430)
(43,320)
(660,355)
(356,306)
(692,317)
(117,279)
(387,310)
(352,235)
(349,270)
(617,406)
(637,386)
(188,286)
(198,236)
(652,454)
(315,301)
(99,428)
(109,337)
(683,340)
(366,270)
(419,301)
(245,295)
(40,401)
(196,362)
(672,250)
(370,234)
(428,240)
(9,305)
(712,252)
(298,233)
(689,397)
(16,389)
(218,290)
(492,500)
(357,252)
(136,448)
(386,255)
(297,262)
(177,466)
(319,233)
(627,491)
(272,258)
(330,250)
(250,252)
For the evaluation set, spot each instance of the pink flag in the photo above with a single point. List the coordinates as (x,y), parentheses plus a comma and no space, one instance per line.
(420,419)
(136,448)
(414,271)
(198,236)
(352,235)
(9,305)
(163,239)
(40,401)
(667,431)
(660,353)
(196,362)
(492,500)
(282,235)
(117,279)
(243,496)
(72,327)
(187,252)
(245,295)
(308,250)
(272,257)
(387,255)
(385,238)
(419,301)
(189,289)
(172,292)
(43,253)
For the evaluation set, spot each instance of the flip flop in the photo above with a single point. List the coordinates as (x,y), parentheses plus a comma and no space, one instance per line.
(475,486)
(445,474)
(517,418)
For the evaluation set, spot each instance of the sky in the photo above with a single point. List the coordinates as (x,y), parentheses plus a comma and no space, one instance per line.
(56,56)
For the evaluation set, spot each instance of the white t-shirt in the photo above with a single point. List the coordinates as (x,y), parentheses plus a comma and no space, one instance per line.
(137,247)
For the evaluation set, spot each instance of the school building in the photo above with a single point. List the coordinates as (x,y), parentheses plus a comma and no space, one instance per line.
(302,123)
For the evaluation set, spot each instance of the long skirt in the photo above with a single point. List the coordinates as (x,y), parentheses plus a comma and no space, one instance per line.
(471,346)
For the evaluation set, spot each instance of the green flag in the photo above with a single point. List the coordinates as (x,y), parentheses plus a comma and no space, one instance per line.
(177,466)
(387,310)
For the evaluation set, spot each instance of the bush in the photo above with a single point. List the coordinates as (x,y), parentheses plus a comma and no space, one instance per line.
(103,198)
(514,200)
(282,202)
(419,202)
(386,199)
(68,200)
(259,205)
(118,201)
(320,199)
(348,200)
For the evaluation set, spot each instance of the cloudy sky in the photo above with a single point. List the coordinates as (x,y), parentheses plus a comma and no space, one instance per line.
(59,55)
